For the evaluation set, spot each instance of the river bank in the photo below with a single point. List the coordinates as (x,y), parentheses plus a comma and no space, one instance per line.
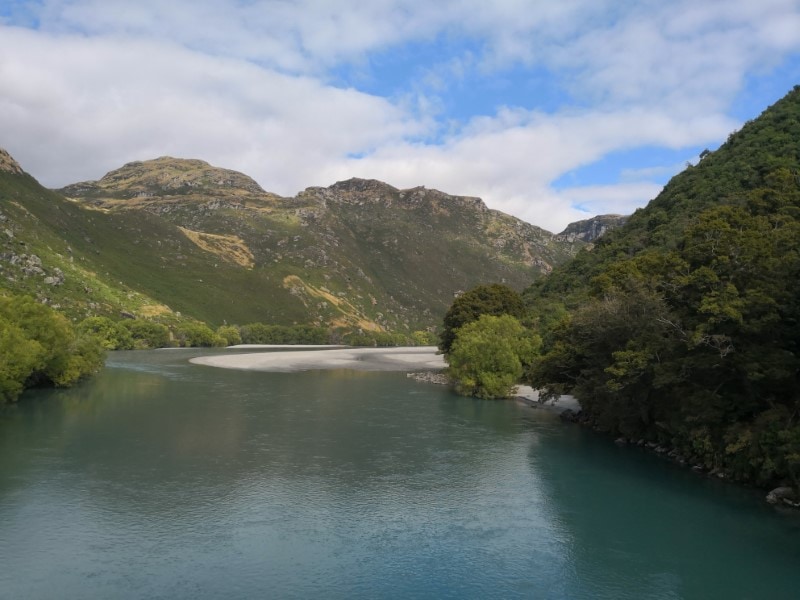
(327,358)
(782,495)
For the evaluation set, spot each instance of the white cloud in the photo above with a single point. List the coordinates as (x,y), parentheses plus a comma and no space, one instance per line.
(74,107)
(510,161)
(246,85)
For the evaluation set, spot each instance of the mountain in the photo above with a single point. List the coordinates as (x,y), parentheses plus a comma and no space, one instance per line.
(170,236)
(682,327)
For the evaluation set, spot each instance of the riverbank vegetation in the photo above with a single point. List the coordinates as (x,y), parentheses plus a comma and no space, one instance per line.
(488,356)
(128,334)
(681,328)
(39,346)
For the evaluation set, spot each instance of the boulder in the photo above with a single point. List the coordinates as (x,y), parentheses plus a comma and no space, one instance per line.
(783,494)
(569,415)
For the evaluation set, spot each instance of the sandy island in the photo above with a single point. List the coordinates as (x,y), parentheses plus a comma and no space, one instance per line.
(361,359)
(304,358)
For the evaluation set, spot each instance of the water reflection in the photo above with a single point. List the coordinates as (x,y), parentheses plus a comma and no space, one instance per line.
(642,527)
(164,479)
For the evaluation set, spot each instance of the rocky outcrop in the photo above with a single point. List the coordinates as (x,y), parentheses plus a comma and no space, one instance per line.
(29,264)
(8,164)
(784,495)
(165,176)
(589,230)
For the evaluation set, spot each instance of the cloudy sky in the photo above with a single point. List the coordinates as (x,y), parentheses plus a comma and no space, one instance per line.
(551,110)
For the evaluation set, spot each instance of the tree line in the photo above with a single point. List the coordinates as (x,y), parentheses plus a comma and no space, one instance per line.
(680,328)
(41,347)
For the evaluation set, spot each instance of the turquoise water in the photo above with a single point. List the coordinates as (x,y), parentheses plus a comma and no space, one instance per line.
(162,479)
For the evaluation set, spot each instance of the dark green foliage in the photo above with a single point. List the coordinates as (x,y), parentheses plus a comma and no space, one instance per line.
(489,355)
(423,338)
(494,299)
(683,326)
(197,335)
(260,333)
(230,333)
(112,335)
(147,334)
(38,346)
(378,339)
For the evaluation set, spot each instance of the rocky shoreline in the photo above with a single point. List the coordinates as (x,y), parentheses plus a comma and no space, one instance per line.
(434,377)
(570,412)
(782,495)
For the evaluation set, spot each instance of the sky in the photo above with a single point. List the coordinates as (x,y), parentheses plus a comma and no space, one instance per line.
(550,110)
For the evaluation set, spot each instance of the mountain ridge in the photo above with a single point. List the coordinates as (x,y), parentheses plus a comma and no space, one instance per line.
(213,244)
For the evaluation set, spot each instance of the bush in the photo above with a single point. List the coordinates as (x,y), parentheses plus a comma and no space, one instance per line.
(495,299)
(260,333)
(196,335)
(147,334)
(489,355)
(39,346)
(231,335)
(112,335)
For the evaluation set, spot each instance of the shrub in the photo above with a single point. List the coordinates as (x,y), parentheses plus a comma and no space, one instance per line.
(489,355)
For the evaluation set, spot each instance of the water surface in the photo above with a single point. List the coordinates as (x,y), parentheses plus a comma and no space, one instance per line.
(163,479)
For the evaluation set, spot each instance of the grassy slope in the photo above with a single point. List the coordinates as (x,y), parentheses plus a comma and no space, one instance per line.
(212,245)
(118,254)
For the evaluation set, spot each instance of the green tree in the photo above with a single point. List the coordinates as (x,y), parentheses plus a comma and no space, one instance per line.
(19,358)
(488,356)
(494,299)
(230,333)
(196,335)
(112,335)
(424,338)
(38,346)
(147,334)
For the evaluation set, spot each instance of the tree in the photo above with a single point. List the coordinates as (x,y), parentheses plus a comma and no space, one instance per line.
(19,357)
(112,335)
(39,346)
(147,334)
(230,333)
(494,299)
(489,356)
(196,335)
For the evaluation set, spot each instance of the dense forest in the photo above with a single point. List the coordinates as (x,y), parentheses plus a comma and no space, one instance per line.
(682,327)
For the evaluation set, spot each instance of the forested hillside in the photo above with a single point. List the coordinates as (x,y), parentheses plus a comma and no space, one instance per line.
(682,327)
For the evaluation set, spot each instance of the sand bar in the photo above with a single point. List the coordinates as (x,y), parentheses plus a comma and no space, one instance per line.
(359,359)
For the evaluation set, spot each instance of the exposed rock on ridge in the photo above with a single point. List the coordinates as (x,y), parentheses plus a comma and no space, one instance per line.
(165,176)
(8,164)
(589,230)
(212,244)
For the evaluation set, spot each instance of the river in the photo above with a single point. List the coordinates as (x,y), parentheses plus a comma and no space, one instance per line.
(165,479)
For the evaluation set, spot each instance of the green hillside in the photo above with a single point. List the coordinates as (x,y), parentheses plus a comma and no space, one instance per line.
(172,236)
(681,328)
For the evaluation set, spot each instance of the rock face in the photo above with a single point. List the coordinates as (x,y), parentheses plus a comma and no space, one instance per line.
(8,164)
(591,229)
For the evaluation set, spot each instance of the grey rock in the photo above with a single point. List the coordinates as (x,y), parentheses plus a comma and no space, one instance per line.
(782,494)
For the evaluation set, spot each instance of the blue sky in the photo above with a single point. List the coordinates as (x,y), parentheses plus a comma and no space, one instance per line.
(551,111)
